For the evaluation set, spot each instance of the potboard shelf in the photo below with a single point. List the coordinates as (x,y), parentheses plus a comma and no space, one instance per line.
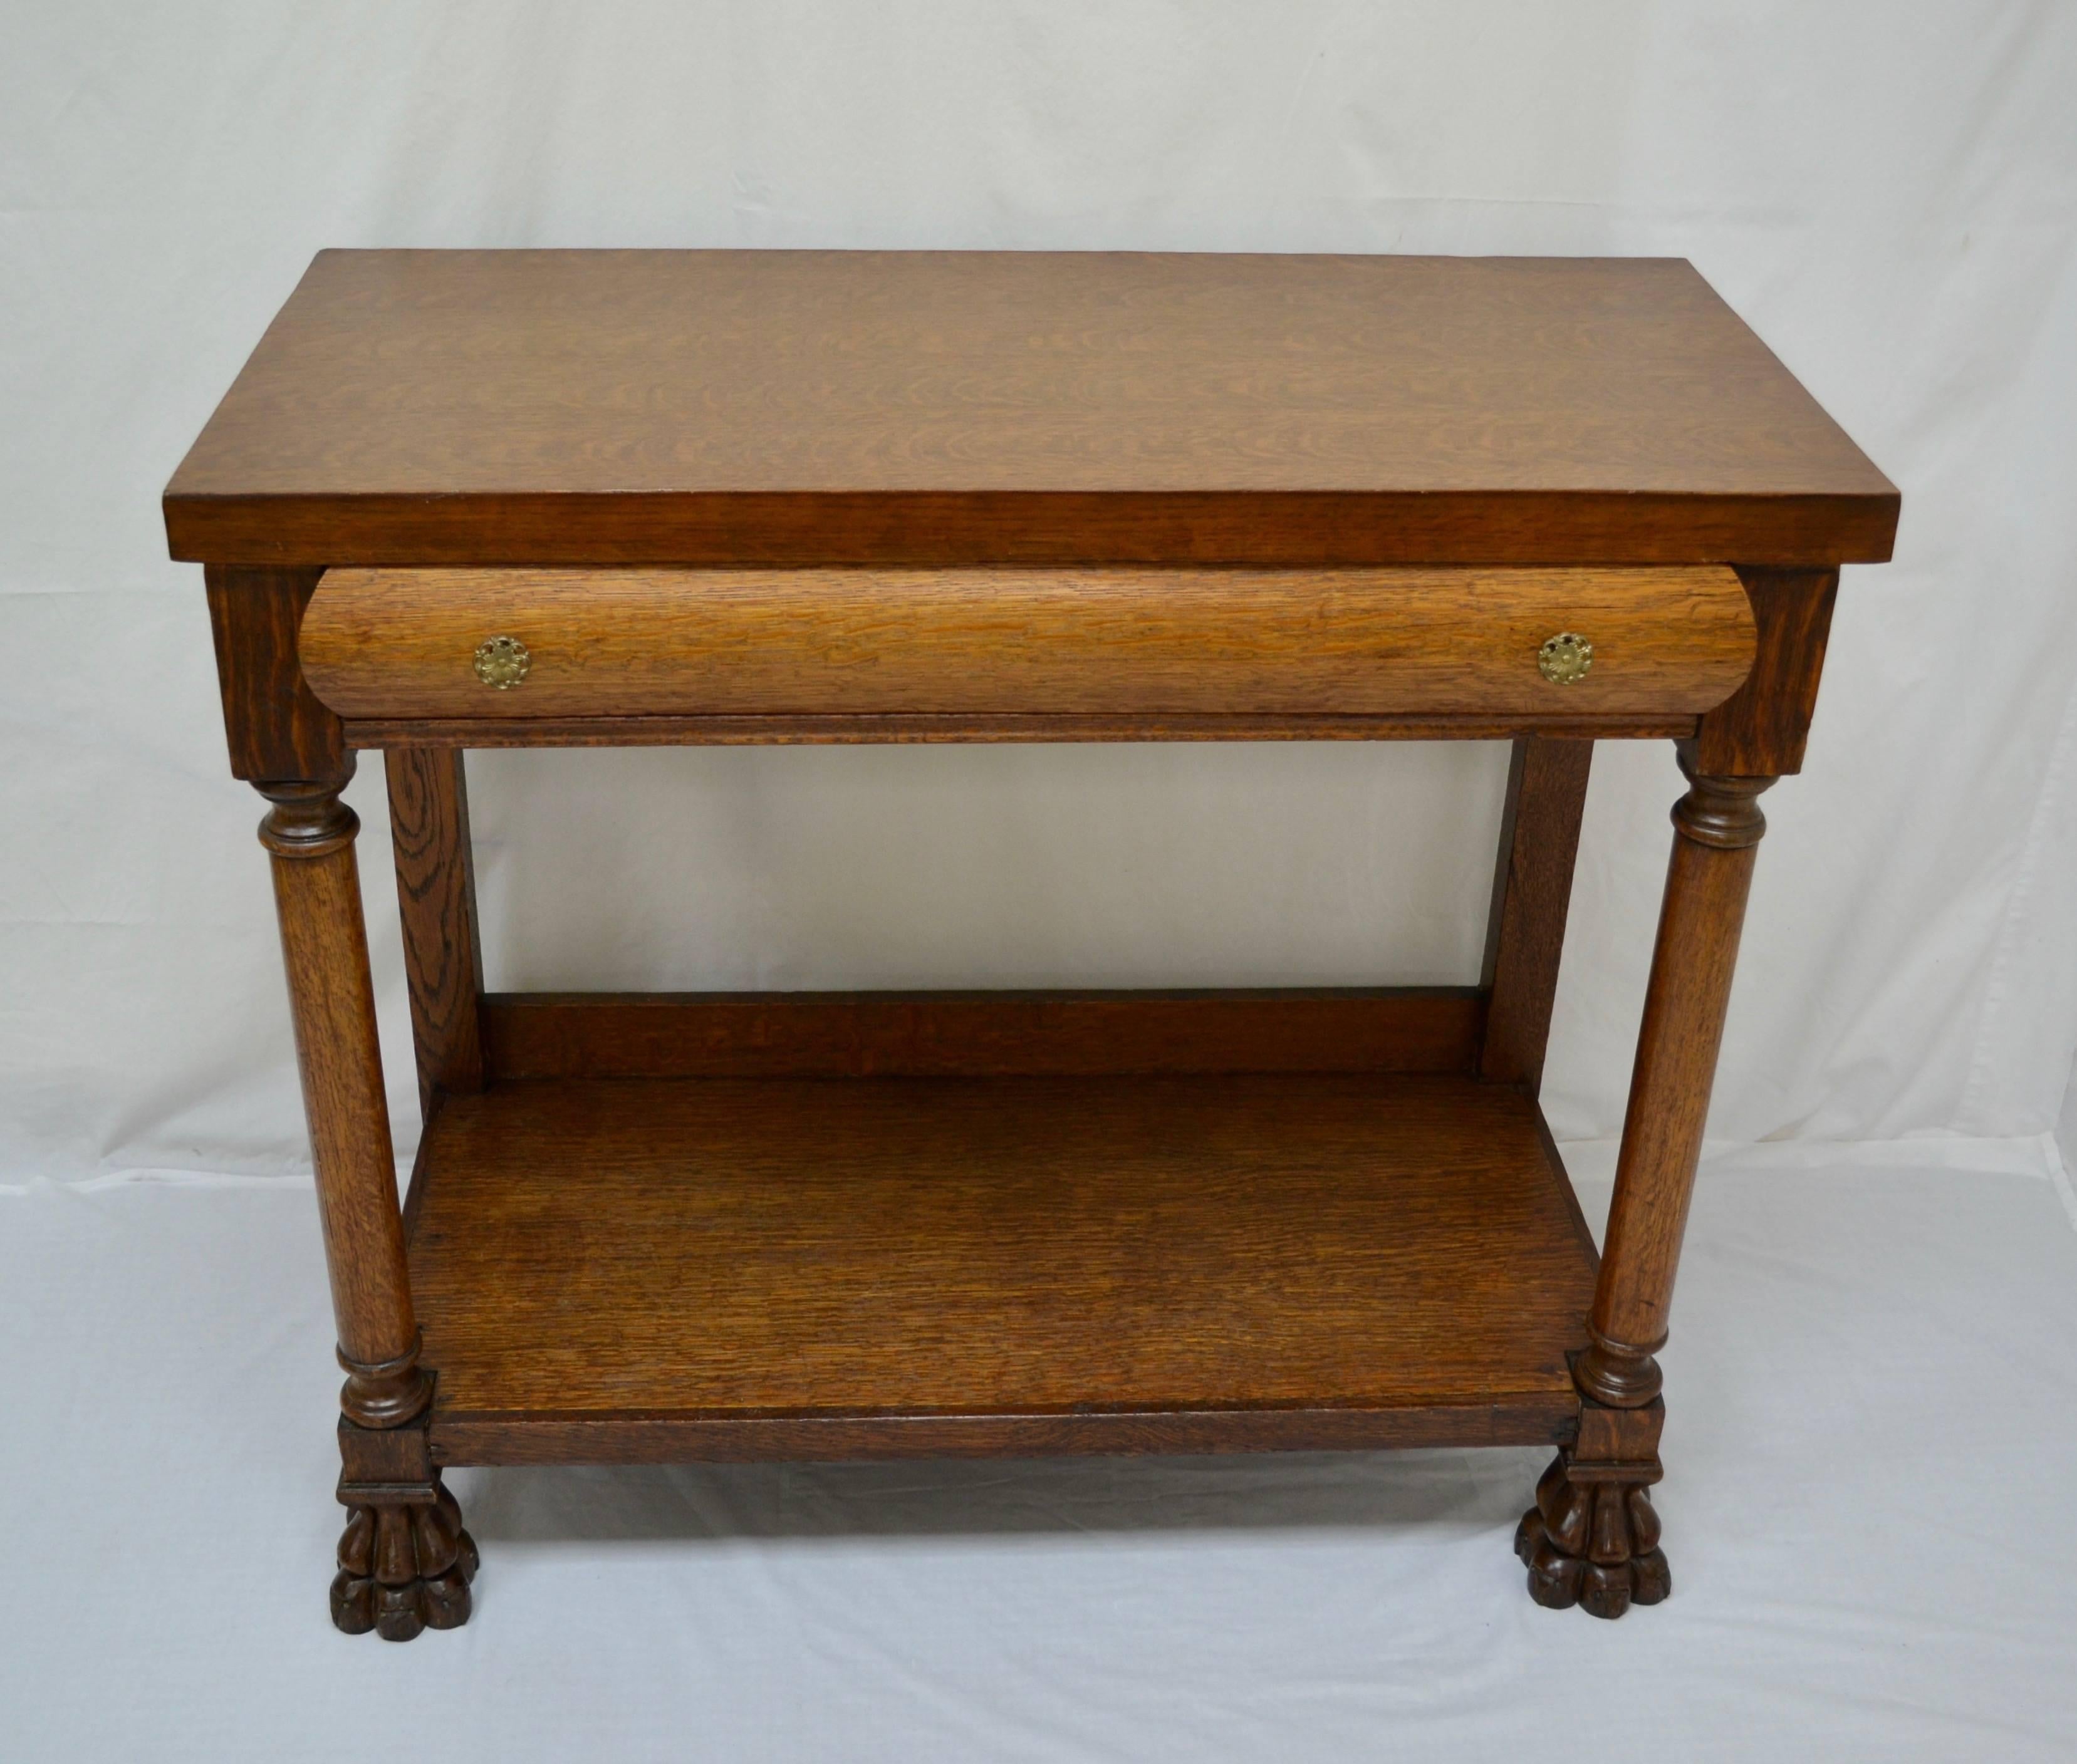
(623,1270)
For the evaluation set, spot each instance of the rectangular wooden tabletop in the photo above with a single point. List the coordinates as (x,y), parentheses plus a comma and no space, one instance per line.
(808,407)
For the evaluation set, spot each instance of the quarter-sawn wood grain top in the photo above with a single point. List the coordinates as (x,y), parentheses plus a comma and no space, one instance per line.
(803,407)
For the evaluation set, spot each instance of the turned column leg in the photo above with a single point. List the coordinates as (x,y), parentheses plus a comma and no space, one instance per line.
(405,1562)
(1592,1538)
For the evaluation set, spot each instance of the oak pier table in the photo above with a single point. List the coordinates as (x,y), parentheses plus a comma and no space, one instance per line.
(479,499)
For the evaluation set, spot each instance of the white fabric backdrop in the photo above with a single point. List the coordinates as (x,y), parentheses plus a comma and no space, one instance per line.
(1886,191)
(1886,188)
(1867,1515)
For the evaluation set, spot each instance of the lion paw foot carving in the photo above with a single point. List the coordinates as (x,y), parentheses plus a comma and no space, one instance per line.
(1593,1541)
(403,1568)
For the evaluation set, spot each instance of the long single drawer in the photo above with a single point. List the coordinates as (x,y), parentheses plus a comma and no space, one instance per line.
(517,643)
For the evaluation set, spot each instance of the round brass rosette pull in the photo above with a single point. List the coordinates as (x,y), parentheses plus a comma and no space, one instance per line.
(1564,657)
(501,662)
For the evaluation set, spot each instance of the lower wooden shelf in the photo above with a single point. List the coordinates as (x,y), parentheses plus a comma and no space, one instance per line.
(631,1270)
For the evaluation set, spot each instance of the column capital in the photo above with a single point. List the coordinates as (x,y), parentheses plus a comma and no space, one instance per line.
(307,819)
(1720,813)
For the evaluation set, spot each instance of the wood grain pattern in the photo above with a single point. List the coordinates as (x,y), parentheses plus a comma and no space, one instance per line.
(815,407)
(1547,795)
(633,1255)
(1717,826)
(694,643)
(275,728)
(980,1034)
(309,833)
(1002,497)
(436,901)
(1759,731)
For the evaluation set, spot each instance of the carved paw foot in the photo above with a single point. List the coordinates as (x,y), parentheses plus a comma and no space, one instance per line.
(404,1568)
(1591,1540)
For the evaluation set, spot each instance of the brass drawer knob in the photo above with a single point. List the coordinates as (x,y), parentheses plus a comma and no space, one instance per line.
(1564,657)
(501,662)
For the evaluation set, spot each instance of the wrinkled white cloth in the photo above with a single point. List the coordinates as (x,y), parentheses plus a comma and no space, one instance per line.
(1872,1436)
(1870,1441)
(1887,192)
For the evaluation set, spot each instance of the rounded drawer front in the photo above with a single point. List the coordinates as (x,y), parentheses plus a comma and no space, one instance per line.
(500,644)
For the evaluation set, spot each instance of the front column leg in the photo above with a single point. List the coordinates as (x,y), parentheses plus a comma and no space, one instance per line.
(405,1562)
(1592,1538)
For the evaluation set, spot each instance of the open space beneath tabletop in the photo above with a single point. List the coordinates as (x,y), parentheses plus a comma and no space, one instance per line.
(619,1269)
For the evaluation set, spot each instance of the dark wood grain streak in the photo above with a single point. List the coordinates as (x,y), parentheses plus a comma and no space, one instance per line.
(1532,894)
(436,901)
(784,1250)
(1002,1033)
(783,408)
(274,726)
(1760,731)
